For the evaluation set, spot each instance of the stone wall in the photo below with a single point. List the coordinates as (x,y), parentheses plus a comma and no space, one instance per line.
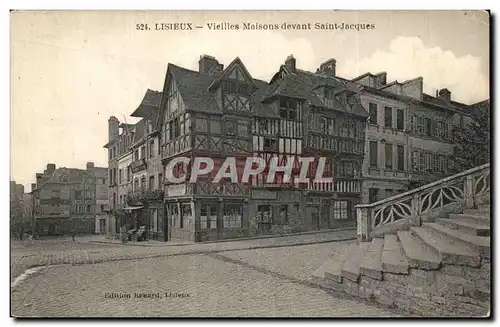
(450,291)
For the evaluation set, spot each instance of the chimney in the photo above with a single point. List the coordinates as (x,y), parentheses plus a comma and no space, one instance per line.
(445,94)
(90,165)
(328,67)
(208,65)
(51,168)
(291,63)
(113,128)
(381,79)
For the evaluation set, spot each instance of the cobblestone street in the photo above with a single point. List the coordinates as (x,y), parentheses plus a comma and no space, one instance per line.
(191,280)
(86,250)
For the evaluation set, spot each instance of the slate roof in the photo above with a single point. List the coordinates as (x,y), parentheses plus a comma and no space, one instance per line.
(302,84)
(149,104)
(140,131)
(440,102)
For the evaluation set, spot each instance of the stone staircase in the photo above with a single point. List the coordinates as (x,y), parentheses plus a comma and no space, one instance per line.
(437,268)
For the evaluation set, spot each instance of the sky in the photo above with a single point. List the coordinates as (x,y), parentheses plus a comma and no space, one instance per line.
(71,70)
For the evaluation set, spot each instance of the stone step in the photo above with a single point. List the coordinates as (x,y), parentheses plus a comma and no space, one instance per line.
(482,219)
(393,257)
(479,244)
(318,278)
(371,265)
(473,228)
(354,255)
(333,268)
(418,254)
(451,251)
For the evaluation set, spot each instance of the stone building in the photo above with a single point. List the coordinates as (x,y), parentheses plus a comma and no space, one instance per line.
(408,135)
(135,166)
(69,199)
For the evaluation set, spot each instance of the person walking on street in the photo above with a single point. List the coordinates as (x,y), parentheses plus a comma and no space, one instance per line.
(21,234)
(73,235)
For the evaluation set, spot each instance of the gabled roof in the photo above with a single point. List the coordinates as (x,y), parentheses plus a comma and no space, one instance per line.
(229,68)
(149,104)
(193,88)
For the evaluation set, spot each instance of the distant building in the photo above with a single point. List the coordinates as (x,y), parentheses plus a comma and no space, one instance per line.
(17,210)
(69,199)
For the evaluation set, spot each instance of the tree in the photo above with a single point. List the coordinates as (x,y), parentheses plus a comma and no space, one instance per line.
(472,140)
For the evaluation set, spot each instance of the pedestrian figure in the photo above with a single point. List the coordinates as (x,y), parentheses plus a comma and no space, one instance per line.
(73,235)
(21,234)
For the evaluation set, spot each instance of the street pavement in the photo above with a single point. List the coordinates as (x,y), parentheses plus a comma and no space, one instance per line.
(87,250)
(85,279)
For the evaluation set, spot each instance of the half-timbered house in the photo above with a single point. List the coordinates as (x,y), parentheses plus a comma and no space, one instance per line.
(219,113)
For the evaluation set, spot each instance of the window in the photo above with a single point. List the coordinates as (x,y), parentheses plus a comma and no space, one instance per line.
(270,144)
(102,207)
(129,174)
(323,125)
(111,176)
(233,213)
(143,152)
(151,148)
(388,156)
(420,125)
(160,181)
(340,210)
(372,195)
(120,176)
(136,155)
(236,87)
(151,183)
(442,164)
(421,165)
(208,216)
(290,108)
(185,214)
(230,128)
(373,113)
(136,184)
(428,126)
(174,214)
(400,120)
(283,214)
(401,157)
(143,183)
(373,154)
(265,214)
(388,116)
(346,169)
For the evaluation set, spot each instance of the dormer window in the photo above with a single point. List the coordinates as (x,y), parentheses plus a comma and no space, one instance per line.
(329,93)
(290,108)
